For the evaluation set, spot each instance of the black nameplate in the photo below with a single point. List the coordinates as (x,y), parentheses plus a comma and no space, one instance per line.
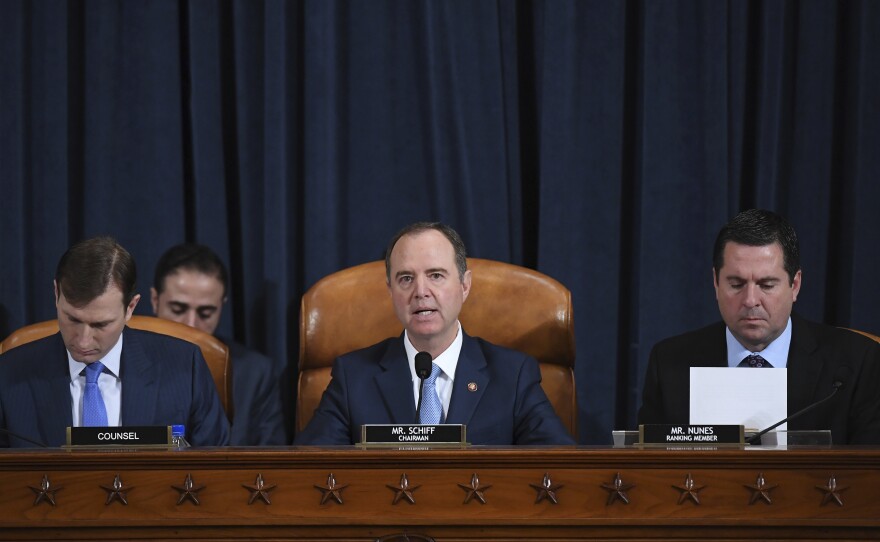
(151,435)
(691,434)
(413,434)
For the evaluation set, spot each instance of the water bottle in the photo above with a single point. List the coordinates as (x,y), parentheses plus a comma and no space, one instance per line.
(178,437)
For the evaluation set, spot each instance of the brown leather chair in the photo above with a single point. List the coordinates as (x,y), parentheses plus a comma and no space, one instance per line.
(866,334)
(508,305)
(215,352)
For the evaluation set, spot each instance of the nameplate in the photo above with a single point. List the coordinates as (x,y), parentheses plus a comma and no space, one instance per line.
(151,435)
(413,434)
(691,434)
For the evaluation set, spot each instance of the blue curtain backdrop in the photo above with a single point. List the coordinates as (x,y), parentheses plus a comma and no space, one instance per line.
(603,143)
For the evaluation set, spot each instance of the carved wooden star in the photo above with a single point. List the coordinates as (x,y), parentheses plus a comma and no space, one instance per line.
(331,490)
(189,491)
(259,490)
(689,490)
(403,490)
(546,490)
(475,490)
(617,490)
(117,491)
(45,492)
(832,492)
(761,490)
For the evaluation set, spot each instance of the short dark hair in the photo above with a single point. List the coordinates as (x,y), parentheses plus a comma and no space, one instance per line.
(86,270)
(758,228)
(420,227)
(192,257)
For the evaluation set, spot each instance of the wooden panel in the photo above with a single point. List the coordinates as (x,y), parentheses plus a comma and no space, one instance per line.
(582,481)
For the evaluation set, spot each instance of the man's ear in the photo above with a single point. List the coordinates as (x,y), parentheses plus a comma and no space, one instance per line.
(466,285)
(154,300)
(131,305)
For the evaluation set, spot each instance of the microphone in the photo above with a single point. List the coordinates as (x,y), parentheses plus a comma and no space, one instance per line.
(840,376)
(424,361)
(5,431)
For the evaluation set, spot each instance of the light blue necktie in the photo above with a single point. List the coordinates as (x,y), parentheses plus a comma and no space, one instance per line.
(94,413)
(432,408)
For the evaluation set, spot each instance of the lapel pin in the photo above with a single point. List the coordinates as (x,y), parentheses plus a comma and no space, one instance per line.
(472,386)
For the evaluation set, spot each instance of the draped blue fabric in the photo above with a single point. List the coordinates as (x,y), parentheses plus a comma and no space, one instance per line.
(603,143)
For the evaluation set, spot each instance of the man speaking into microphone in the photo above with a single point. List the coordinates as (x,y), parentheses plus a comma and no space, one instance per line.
(495,391)
(757,278)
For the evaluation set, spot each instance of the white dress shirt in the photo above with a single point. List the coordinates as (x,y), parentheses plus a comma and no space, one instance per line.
(108,383)
(776,352)
(447,361)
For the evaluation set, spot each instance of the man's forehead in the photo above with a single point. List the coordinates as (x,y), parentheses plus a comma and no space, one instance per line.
(183,279)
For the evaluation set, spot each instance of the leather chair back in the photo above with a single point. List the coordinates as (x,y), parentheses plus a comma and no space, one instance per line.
(508,305)
(866,334)
(214,351)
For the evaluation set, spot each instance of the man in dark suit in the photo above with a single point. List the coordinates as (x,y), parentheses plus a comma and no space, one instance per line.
(757,277)
(96,371)
(495,391)
(189,287)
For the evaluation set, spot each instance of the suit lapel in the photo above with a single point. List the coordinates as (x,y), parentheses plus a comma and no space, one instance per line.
(395,383)
(52,392)
(804,365)
(715,349)
(470,371)
(139,384)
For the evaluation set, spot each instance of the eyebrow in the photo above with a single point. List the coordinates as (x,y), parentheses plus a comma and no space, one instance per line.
(427,271)
(762,279)
(75,319)
(183,305)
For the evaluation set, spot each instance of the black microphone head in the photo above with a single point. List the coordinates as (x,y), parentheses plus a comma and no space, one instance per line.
(423,365)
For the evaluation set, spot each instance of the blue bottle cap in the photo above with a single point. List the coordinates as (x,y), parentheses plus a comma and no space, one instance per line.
(178,430)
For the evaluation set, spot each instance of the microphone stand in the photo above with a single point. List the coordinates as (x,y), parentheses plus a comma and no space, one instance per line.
(757,436)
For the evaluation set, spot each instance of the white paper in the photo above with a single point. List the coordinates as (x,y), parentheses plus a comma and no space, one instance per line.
(754,398)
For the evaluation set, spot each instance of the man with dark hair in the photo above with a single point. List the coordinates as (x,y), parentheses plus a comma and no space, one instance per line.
(98,372)
(495,391)
(757,278)
(190,287)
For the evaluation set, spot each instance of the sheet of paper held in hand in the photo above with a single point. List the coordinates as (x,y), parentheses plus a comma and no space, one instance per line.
(754,398)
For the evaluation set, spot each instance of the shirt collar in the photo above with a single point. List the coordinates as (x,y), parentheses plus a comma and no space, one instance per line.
(447,361)
(111,361)
(776,352)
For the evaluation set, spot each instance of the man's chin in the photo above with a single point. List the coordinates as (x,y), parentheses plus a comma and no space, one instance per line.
(752,336)
(85,358)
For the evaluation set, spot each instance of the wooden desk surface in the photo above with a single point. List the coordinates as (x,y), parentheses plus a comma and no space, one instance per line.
(355,494)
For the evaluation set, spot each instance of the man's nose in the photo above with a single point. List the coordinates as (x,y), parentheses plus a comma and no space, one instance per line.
(421,287)
(84,336)
(190,318)
(752,298)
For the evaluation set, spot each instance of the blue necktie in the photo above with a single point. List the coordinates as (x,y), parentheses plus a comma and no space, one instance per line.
(94,413)
(755,361)
(432,408)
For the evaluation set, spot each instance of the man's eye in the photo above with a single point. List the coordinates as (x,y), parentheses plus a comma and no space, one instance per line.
(204,315)
(767,287)
(736,285)
(405,280)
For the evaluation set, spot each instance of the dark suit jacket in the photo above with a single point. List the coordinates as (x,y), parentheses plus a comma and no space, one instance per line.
(165,381)
(256,394)
(374,385)
(818,356)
